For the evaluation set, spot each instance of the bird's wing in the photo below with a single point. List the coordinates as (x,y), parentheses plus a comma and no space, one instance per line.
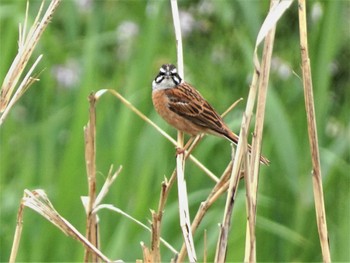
(189,104)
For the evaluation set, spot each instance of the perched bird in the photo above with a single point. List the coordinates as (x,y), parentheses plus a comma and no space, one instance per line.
(184,108)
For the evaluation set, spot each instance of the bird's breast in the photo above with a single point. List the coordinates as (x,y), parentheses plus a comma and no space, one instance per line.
(160,102)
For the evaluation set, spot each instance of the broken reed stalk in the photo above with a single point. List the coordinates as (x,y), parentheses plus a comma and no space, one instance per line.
(18,233)
(157,219)
(312,132)
(155,244)
(180,158)
(90,158)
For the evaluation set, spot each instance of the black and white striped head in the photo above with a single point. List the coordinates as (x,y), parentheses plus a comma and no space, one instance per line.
(167,78)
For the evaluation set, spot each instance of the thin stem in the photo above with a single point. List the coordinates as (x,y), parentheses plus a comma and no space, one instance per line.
(312,132)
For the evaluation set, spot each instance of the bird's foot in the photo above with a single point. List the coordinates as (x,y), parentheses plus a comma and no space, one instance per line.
(180,150)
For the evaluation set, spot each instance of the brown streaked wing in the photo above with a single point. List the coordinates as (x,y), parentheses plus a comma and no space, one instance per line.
(189,103)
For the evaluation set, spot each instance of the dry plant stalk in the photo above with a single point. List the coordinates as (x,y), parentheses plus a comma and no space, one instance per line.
(26,46)
(147,254)
(220,188)
(90,158)
(155,245)
(157,218)
(184,213)
(312,132)
(38,201)
(253,174)
(253,171)
(221,248)
(267,31)
(251,181)
(18,233)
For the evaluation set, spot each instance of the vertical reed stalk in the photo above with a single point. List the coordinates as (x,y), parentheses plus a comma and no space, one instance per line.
(90,159)
(312,132)
(180,158)
(254,165)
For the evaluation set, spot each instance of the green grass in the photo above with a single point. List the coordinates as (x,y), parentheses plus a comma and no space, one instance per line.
(42,143)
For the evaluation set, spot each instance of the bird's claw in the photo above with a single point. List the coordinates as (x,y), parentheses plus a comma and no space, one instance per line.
(180,150)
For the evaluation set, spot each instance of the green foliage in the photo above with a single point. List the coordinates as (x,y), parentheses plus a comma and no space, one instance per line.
(121,45)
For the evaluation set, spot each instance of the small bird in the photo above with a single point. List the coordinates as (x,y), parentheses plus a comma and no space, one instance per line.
(184,108)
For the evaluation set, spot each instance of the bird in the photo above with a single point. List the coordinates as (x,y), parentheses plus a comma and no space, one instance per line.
(184,108)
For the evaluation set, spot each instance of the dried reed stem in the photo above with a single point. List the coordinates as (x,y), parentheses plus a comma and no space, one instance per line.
(157,222)
(267,31)
(312,132)
(90,158)
(254,165)
(236,170)
(180,158)
(18,233)
(252,94)
(221,249)
(155,245)
(242,144)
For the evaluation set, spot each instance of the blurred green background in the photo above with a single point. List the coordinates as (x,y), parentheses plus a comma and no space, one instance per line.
(91,45)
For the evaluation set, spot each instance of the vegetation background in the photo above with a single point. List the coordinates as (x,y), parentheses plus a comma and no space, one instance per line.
(91,45)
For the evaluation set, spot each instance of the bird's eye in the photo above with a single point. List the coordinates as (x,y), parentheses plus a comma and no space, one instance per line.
(159,78)
(176,78)
(162,70)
